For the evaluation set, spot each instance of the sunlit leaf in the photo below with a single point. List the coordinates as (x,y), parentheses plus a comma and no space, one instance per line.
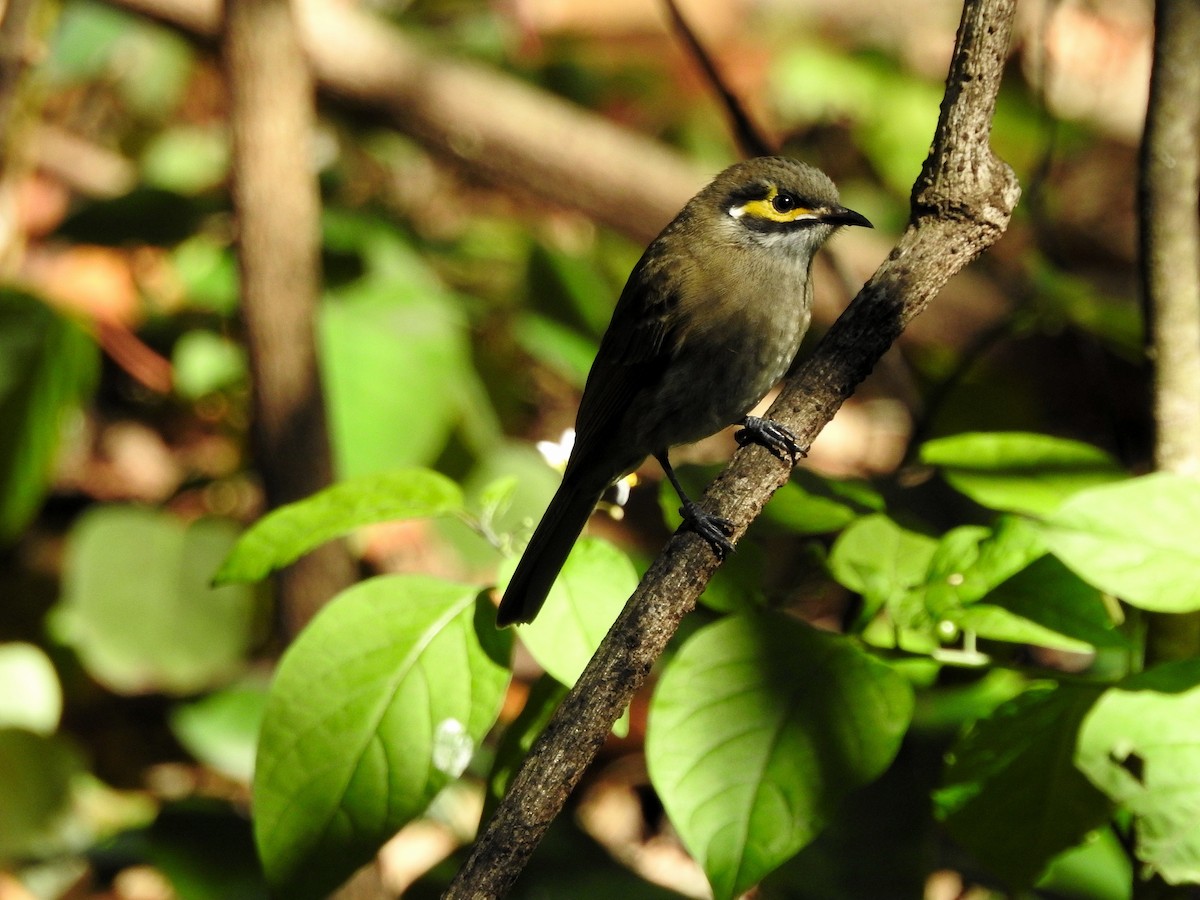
(138,608)
(287,533)
(1140,744)
(590,592)
(999,584)
(1019,472)
(397,370)
(758,729)
(203,362)
(221,729)
(30,693)
(1135,539)
(881,560)
(378,704)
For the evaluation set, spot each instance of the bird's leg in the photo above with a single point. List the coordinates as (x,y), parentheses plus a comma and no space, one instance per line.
(712,528)
(770,434)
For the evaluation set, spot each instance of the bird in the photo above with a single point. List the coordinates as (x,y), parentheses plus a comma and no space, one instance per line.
(710,319)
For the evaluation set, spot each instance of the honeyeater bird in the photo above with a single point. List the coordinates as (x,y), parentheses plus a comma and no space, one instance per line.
(710,319)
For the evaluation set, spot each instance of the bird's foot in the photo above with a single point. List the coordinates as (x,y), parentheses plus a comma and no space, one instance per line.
(712,528)
(770,434)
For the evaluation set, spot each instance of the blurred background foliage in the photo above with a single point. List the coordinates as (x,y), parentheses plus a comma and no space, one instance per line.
(456,329)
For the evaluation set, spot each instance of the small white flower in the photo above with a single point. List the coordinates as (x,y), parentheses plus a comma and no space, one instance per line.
(556,454)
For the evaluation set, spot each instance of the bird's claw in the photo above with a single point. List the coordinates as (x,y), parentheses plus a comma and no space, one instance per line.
(714,529)
(770,434)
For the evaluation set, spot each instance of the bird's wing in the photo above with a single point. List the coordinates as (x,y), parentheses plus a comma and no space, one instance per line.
(633,355)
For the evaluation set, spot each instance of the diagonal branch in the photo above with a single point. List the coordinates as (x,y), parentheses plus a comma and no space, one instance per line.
(541,145)
(961,204)
(750,139)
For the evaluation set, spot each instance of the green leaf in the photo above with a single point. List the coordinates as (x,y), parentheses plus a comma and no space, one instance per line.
(287,533)
(378,704)
(138,608)
(221,730)
(881,560)
(1054,600)
(35,794)
(568,352)
(397,368)
(758,729)
(574,284)
(1018,471)
(203,362)
(1098,869)
(30,694)
(188,159)
(1135,539)
(1000,585)
(207,269)
(810,504)
(590,592)
(971,560)
(1012,794)
(1140,744)
(47,365)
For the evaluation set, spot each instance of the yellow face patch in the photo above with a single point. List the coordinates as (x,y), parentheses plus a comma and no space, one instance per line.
(775,207)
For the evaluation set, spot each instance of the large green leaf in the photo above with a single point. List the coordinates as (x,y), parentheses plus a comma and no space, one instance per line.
(396,363)
(1140,744)
(590,592)
(1012,795)
(138,607)
(1000,585)
(379,703)
(47,365)
(1048,605)
(881,560)
(285,534)
(1136,539)
(1018,471)
(758,729)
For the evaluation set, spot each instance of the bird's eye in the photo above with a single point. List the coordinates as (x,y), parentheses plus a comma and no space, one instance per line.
(783,203)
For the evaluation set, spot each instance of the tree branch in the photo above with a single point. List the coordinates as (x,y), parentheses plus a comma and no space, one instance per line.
(540,145)
(1170,263)
(275,197)
(961,204)
(749,137)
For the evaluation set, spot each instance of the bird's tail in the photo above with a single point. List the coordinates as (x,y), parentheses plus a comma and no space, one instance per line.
(552,540)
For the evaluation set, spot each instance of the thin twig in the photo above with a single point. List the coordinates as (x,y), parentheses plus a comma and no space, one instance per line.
(961,204)
(749,137)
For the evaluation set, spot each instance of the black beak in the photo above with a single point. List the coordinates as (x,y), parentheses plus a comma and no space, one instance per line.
(839,215)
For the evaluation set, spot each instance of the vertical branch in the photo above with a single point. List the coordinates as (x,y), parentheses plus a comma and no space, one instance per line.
(277,205)
(1170,262)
